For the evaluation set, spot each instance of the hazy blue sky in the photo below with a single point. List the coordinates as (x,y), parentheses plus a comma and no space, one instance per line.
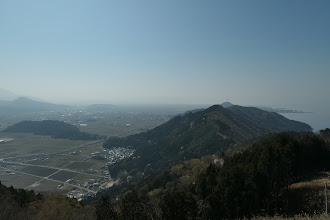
(172,51)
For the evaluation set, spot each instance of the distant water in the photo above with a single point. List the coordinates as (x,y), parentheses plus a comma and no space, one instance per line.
(317,120)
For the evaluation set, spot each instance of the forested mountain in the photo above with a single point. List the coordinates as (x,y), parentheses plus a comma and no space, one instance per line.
(195,134)
(56,129)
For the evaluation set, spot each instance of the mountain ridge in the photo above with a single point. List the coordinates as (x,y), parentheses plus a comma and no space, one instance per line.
(271,119)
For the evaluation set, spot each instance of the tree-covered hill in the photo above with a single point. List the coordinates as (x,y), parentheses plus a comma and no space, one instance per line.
(56,129)
(193,135)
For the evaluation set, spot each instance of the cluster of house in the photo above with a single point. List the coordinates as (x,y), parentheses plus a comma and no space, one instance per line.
(117,154)
(97,155)
(114,155)
(90,184)
(76,194)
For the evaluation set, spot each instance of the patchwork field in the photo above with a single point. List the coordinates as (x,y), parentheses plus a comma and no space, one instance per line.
(26,159)
(18,180)
(38,171)
(23,144)
(80,165)
(51,186)
(63,175)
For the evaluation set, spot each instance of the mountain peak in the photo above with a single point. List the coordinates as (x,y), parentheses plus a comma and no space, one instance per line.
(23,99)
(226,104)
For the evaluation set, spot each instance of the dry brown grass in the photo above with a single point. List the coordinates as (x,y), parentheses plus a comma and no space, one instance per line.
(317,182)
(297,217)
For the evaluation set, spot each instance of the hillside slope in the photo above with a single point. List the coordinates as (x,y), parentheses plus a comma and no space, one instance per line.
(270,120)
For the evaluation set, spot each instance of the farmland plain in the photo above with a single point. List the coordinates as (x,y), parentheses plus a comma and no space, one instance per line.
(44,164)
(72,167)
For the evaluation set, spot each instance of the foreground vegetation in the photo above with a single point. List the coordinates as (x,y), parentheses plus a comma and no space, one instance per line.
(296,217)
(22,204)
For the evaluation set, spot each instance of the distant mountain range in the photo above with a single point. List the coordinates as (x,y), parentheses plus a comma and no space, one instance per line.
(195,134)
(6,95)
(24,104)
(11,102)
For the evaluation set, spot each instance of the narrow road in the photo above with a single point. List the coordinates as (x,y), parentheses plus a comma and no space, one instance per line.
(54,153)
(56,168)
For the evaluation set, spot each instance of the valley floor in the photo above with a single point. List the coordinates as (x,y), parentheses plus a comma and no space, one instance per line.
(49,165)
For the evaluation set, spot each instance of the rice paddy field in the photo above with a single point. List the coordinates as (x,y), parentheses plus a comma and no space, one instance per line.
(25,144)
(42,163)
